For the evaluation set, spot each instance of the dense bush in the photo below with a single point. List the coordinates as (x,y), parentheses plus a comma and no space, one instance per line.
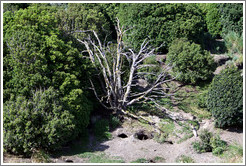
(190,63)
(37,56)
(14,6)
(213,20)
(162,22)
(225,98)
(101,129)
(204,145)
(218,145)
(231,17)
(41,122)
(79,17)
(209,143)
(202,99)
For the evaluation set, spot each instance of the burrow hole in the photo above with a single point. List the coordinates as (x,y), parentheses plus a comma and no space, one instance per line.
(141,136)
(122,135)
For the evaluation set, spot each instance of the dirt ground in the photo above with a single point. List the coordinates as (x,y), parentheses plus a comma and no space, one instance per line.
(130,148)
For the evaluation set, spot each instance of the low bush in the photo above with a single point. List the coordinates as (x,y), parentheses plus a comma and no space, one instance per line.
(204,145)
(210,143)
(218,145)
(225,98)
(101,129)
(37,123)
(115,122)
(202,99)
(190,63)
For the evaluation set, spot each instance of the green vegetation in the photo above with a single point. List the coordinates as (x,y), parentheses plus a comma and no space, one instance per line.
(101,129)
(225,98)
(41,122)
(210,143)
(191,102)
(190,63)
(231,17)
(234,44)
(159,159)
(213,19)
(234,154)
(47,96)
(167,127)
(100,157)
(184,159)
(39,56)
(39,156)
(115,122)
(140,160)
(161,22)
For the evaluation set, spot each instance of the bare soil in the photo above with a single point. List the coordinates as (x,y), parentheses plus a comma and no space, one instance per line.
(131,148)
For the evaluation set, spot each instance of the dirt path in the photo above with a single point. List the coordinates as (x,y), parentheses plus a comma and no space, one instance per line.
(131,149)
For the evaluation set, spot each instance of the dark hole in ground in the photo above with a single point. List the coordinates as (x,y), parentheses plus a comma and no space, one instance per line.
(170,142)
(123,135)
(141,136)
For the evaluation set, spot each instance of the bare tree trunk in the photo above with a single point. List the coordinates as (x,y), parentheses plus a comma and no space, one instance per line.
(118,95)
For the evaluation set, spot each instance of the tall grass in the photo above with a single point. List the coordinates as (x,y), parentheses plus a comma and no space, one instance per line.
(234,44)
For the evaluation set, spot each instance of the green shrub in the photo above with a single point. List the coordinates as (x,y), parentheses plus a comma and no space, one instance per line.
(101,129)
(202,99)
(38,123)
(218,145)
(163,22)
(204,145)
(83,16)
(213,19)
(231,17)
(234,44)
(210,143)
(225,98)
(39,55)
(190,63)
(115,122)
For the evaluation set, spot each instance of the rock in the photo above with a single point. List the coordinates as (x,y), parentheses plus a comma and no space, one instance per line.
(220,59)
(219,69)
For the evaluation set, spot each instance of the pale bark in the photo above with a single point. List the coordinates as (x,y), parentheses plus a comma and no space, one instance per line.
(117,94)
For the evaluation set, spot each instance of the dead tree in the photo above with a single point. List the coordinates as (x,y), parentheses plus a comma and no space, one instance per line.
(117,94)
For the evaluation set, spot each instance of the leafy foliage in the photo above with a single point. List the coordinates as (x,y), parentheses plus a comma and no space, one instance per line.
(190,63)
(231,17)
(14,6)
(41,122)
(202,99)
(162,22)
(234,44)
(210,143)
(213,19)
(218,145)
(204,145)
(101,129)
(39,56)
(82,17)
(225,98)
